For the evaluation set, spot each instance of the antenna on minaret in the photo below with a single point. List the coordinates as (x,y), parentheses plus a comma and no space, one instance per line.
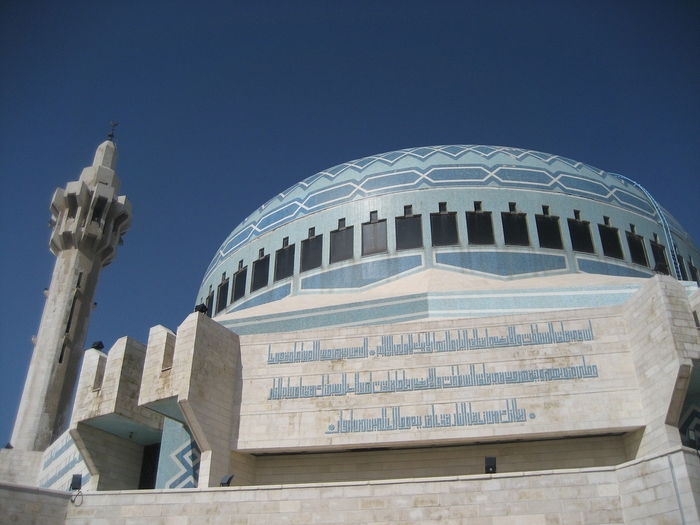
(111,131)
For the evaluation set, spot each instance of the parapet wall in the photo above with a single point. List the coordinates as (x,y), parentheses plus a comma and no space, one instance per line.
(633,493)
(659,489)
(21,505)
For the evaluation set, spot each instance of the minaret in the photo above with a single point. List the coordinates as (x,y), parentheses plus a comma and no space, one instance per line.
(88,219)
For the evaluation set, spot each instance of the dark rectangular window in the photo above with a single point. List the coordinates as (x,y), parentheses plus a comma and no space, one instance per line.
(222,296)
(515,227)
(480,226)
(311,253)
(210,302)
(70,315)
(548,231)
(658,251)
(443,227)
(261,273)
(681,264)
(580,233)
(636,246)
(284,262)
(693,272)
(239,279)
(72,200)
(99,209)
(374,235)
(342,243)
(610,239)
(149,466)
(63,353)
(409,232)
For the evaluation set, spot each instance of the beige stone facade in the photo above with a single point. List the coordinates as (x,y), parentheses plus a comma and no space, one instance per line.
(656,489)
(592,438)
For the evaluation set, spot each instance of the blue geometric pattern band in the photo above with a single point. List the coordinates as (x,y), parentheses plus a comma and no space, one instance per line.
(435,167)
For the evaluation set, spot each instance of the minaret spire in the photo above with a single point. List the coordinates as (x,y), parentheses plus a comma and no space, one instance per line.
(88,218)
(113,125)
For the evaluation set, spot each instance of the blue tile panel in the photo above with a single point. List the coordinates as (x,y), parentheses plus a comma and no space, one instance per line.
(359,275)
(425,305)
(273,295)
(589,266)
(502,263)
(361,313)
(60,461)
(435,167)
(178,462)
(690,420)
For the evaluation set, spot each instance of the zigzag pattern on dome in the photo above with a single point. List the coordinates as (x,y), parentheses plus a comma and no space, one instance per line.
(448,166)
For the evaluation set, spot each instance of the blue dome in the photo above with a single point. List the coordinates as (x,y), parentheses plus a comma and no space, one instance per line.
(434,166)
(505,180)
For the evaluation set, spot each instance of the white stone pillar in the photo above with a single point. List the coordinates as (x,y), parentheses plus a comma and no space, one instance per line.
(89,219)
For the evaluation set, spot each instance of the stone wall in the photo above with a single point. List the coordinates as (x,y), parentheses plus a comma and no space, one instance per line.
(659,490)
(192,377)
(22,505)
(571,496)
(692,458)
(19,466)
(439,461)
(663,341)
(109,386)
(439,382)
(116,461)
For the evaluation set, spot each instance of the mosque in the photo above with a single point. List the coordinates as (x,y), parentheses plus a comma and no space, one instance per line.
(465,334)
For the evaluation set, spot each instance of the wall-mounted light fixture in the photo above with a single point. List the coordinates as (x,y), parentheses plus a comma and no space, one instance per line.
(226,480)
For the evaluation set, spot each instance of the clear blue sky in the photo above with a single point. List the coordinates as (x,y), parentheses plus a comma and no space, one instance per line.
(222,105)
